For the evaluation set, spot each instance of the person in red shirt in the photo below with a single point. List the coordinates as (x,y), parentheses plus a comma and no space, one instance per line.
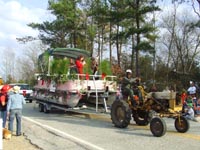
(80,62)
(4,93)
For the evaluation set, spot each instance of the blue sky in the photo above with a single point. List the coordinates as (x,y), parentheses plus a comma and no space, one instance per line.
(32,4)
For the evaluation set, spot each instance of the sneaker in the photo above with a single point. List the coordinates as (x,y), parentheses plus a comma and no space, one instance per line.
(84,106)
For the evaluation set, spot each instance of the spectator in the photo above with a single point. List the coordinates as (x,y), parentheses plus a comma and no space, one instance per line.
(14,108)
(187,101)
(197,108)
(189,112)
(183,96)
(192,89)
(3,103)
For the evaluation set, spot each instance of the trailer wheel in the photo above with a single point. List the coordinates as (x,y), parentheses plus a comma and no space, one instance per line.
(120,114)
(158,127)
(46,110)
(181,124)
(41,107)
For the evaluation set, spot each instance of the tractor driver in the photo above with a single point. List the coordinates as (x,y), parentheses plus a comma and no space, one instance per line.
(126,86)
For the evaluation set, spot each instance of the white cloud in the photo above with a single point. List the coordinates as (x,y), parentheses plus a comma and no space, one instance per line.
(15,15)
(14,20)
(14,11)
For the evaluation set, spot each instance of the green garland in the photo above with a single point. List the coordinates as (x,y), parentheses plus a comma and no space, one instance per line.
(60,73)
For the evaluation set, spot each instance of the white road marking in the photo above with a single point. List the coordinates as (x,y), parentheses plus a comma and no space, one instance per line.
(65,134)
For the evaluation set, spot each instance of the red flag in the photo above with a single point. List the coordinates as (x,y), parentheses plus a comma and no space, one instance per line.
(87,76)
(103,75)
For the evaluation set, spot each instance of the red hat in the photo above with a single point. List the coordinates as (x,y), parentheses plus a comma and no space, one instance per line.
(5,88)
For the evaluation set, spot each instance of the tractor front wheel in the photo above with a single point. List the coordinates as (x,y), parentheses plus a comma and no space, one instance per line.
(158,127)
(181,124)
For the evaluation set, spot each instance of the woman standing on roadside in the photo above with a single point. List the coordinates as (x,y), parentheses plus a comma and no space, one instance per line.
(4,93)
(14,109)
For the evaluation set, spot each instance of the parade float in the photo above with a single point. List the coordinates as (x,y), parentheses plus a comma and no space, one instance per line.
(59,85)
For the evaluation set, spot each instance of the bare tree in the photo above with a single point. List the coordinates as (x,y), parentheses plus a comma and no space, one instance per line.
(169,25)
(194,8)
(180,40)
(8,64)
(27,63)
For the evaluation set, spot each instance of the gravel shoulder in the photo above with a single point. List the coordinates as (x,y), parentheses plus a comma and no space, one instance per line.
(18,143)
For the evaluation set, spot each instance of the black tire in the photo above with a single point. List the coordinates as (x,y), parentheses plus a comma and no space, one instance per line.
(141,117)
(120,114)
(158,127)
(181,124)
(41,107)
(30,101)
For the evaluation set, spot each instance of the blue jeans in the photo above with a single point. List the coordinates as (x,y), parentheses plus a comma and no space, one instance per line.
(18,114)
(3,114)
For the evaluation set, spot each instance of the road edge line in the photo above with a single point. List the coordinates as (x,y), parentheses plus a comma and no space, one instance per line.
(75,139)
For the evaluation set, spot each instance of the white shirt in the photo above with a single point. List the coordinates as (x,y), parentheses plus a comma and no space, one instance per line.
(192,90)
(191,112)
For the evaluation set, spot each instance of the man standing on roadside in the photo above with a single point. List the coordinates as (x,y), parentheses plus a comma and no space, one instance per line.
(192,89)
(14,109)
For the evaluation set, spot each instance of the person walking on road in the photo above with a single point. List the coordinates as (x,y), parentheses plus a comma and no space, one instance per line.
(14,109)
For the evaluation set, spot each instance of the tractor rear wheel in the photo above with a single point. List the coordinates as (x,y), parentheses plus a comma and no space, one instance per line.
(181,124)
(120,113)
(158,127)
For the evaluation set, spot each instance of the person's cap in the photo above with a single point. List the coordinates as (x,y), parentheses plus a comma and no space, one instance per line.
(16,89)
(191,82)
(5,88)
(128,71)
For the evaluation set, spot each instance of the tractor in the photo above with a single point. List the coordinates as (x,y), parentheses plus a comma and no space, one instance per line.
(148,108)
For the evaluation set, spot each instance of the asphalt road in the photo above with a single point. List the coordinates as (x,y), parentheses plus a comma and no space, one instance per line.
(73,131)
